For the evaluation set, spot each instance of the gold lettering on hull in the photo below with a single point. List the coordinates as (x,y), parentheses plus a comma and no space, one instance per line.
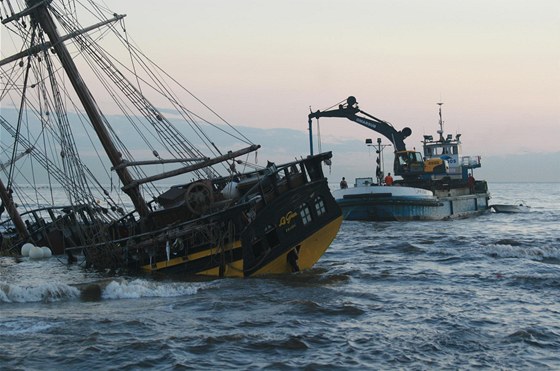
(287,219)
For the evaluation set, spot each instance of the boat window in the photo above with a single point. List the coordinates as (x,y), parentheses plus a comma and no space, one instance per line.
(320,206)
(455,151)
(305,214)
(410,157)
(416,156)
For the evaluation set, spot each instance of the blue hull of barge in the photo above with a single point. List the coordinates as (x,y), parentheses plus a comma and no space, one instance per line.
(400,209)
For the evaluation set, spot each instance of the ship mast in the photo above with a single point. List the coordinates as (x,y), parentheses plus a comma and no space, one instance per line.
(440,131)
(8,202)
(41,15)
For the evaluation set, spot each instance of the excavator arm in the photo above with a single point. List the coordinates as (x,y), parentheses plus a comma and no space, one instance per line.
(408,164)
(350,110)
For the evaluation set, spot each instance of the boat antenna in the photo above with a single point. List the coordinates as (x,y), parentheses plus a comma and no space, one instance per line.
(440,131)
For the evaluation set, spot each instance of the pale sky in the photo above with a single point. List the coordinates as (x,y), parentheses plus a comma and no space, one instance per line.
(495,64)
(261,64)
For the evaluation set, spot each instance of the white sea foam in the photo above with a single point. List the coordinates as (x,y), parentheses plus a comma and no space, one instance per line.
(23,326)
(48,292)
(139,288)
(531,252)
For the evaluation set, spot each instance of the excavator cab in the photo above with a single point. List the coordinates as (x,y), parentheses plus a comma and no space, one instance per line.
(408,163)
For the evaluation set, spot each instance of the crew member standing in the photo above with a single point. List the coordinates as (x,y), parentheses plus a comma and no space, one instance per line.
(343,184)
(471,182)
(389,180)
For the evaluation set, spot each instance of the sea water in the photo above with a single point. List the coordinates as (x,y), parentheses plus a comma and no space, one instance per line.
(482,292)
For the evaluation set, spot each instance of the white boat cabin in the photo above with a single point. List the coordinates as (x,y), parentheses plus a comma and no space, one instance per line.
(449,150)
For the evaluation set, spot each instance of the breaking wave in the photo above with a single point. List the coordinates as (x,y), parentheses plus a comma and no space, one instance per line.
(139,288)
(517,250)
(116,289)
(48,292)
(24,326)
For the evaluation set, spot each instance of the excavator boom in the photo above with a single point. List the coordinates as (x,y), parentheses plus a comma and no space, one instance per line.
(408,164)
(350,111)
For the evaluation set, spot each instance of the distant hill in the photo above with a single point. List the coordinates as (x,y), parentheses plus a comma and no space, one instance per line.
(524,167)
(352,158)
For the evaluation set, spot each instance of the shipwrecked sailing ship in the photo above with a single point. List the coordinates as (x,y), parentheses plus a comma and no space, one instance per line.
(231,218)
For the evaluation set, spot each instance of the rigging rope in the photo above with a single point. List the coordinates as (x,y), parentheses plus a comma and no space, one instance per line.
(168,134)
(20,116)
(319,137)
(52,96)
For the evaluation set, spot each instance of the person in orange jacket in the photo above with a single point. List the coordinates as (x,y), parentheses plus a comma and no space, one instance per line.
(389,180)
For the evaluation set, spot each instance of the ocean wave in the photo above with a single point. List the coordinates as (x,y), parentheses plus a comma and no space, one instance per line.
(114,289)
(508,241)
(517,250)
(535,336)
(537,281)
(24,326)
(48,292)
(140,288)
(309,307)
(316,276)
(409,248)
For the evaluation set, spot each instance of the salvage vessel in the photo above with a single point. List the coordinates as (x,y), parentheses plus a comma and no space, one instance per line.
(78,117)
(437,184)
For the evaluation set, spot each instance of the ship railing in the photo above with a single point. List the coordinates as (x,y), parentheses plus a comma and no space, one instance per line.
(470,161)
(454,170)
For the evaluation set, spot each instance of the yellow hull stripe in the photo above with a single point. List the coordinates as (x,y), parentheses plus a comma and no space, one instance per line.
(311,250)
(190,257)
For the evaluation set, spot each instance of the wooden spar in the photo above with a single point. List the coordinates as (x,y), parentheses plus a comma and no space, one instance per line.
(126,163)
(44,46)
(20,155)
(12,211)
(194,167)
(42,16)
